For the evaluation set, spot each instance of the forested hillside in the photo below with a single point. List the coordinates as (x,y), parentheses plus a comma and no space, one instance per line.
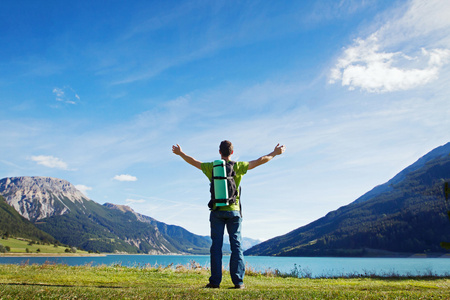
(13,224)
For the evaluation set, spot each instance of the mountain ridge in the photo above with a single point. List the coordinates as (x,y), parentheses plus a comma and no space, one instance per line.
(386,187)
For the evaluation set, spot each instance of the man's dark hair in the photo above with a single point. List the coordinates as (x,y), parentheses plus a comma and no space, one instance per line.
(226,148)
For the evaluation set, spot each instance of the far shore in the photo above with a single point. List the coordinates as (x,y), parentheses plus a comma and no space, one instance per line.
(49,254)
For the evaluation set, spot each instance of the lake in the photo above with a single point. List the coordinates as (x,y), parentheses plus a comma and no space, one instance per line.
(306,266)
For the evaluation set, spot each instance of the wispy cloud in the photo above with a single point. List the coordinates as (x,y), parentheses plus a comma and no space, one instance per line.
(50,162)
(125,177)
(370,64)
(66,94)
(135,201)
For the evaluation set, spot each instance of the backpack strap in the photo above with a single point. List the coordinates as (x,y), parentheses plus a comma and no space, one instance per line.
(240,202)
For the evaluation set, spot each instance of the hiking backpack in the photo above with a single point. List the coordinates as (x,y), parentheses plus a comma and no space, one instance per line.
(223,187)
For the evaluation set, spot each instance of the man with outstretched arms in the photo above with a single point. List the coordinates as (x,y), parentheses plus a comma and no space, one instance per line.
(227,214)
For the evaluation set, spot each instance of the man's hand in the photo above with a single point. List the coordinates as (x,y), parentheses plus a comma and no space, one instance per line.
(176,149)
(279,149)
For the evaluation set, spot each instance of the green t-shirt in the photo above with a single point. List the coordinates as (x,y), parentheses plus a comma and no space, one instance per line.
(240,168)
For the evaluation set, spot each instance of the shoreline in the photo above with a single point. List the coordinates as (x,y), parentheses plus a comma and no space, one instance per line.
(49,254)
(419,256)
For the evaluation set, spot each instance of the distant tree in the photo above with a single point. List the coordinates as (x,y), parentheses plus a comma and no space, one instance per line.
(67,250)
(38,250)
(2,249)
(446,245)
(73,250)
(8,248)
(27,250)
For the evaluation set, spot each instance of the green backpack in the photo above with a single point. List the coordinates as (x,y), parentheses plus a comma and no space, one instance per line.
(223,187)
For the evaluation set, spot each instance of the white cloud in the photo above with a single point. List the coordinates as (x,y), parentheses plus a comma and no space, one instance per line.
(59,93)
(371,65)
(82,188)
(125,177)
(66,94)
(50,161)
(366,67)
(135,201)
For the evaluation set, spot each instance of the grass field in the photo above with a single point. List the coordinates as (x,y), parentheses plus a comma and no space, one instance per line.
(21,246)
(50,281)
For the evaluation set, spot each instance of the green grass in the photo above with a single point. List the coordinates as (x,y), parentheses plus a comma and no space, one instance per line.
(49,281)
(19,245)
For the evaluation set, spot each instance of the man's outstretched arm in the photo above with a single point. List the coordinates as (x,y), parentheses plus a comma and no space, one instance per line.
(176,149)
(263,159)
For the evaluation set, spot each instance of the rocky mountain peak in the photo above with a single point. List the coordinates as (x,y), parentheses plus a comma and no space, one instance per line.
(38,197)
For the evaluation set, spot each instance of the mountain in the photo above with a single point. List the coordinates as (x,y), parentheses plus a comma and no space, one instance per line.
(59,209)
(246,243)
(37,198)
(179,237)
(13,224)
(404,216)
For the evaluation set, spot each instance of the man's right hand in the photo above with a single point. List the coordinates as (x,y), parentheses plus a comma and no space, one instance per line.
(279,149)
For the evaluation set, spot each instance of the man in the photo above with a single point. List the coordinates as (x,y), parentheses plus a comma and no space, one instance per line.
(228,216)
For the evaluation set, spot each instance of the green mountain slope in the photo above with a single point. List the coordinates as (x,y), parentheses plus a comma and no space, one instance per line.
(13,224)
(407,217)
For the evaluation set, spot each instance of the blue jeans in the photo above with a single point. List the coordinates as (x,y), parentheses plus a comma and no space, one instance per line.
(232,220)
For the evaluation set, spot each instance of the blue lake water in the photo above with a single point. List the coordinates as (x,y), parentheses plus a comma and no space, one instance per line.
(306,266)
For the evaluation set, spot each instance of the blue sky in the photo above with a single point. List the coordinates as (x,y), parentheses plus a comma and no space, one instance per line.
(97,92)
